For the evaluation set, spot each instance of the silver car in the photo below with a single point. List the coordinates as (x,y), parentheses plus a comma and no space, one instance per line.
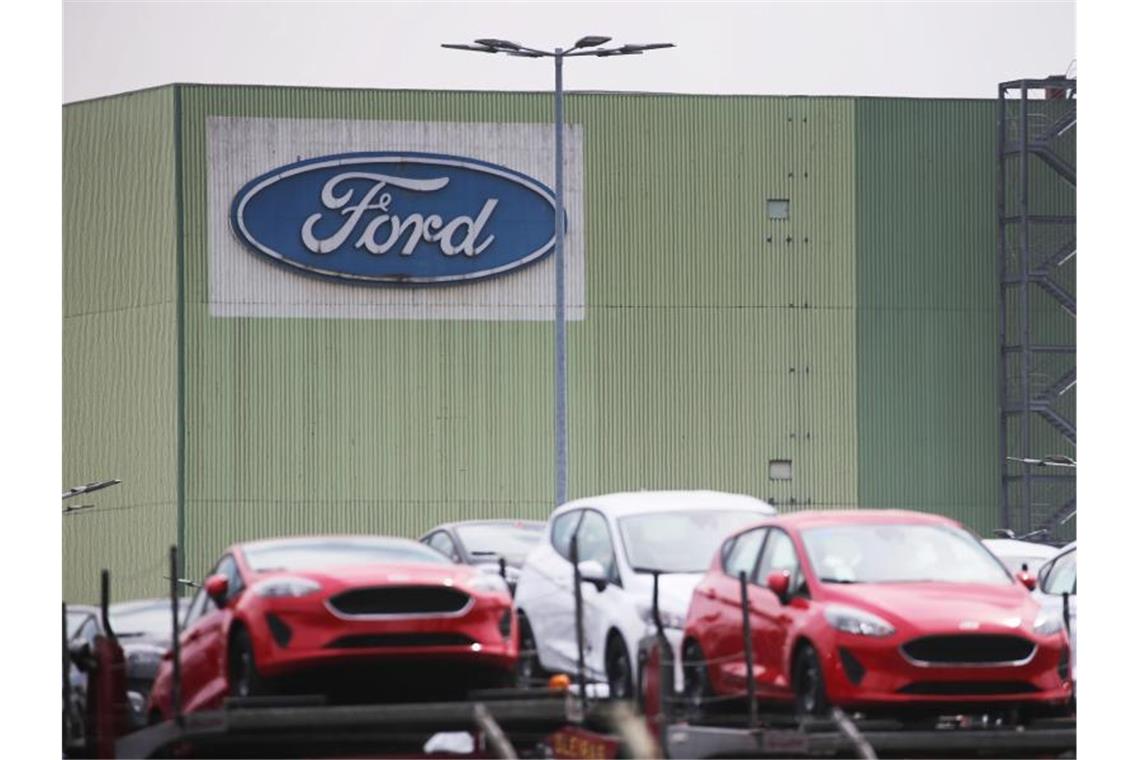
(1055,579)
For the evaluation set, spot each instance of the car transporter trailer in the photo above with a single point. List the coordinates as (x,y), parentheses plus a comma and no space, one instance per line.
(546,722)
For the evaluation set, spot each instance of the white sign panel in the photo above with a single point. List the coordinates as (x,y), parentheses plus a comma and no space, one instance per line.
(412,220)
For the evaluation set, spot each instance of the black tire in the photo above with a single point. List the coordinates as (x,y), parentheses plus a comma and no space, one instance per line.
(808,684)
(528,672)
(697,685)
(619,668)
(244,680)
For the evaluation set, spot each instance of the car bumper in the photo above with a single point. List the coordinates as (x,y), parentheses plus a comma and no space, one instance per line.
(291,638)
(862,671)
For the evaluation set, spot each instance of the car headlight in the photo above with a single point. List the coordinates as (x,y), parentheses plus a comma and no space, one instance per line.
(1047,623)
(859,622)
(669,619)
(286,586)
(492,583)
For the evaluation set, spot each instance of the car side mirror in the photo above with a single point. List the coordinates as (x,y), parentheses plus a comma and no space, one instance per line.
(778,583)
(591,571)
(1027,580)
(217,586)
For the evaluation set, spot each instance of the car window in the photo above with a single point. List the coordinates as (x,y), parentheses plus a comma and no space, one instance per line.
(1062,575)
(442,543)
(780,554)
(562,530)
(75,621)
(196,609)
(594,542)
(88,631)
(228,567)
(742,556)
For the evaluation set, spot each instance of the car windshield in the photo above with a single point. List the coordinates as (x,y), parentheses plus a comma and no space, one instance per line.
(149,619)
(900,553)
(75,620)
(679,542)
(511,541)
(337,552)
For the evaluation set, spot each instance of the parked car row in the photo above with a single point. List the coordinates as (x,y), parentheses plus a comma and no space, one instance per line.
(867,609)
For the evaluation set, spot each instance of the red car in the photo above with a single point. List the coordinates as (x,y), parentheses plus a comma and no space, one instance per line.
(872,609)
(337,614)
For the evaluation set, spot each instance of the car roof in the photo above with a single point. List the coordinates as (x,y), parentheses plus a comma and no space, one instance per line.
(134,605)
(488,521)
(1014,547)
(640,502)
(820,518)
(83,609)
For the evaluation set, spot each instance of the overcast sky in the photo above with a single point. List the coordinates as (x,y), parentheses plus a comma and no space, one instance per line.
(929,49)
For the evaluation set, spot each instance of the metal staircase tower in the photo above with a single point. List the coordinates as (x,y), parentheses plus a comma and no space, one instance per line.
(1037,224)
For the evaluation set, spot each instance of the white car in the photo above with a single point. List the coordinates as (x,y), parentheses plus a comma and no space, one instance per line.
(1054,579)
(1013,553)
(620,536)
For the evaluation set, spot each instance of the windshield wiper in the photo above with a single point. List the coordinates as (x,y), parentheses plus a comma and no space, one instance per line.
(837,580)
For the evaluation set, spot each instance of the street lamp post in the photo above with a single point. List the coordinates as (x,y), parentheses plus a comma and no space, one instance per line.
(590,45)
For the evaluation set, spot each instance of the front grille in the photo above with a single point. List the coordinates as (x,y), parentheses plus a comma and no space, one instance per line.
(967,688)
(400,600)
(363,641)
(968,649)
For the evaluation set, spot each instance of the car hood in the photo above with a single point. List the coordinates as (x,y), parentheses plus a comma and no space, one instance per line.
(941,606)
(382,575)
(673,594)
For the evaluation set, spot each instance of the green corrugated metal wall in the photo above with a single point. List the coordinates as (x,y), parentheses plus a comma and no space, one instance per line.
(927,284)
(119,340)
(689,369)
(856,338)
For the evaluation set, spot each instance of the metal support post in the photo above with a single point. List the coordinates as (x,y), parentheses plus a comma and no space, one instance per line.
(1023,287)
(745,615)
(560,464)
(1065,610)
(664,666)
(175,642)
(105,602)
(578,626)
(66,680)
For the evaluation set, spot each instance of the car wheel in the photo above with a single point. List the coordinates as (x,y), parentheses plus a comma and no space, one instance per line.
(529,672)
(697,685)
(244,679)
(807,682)
(619,672)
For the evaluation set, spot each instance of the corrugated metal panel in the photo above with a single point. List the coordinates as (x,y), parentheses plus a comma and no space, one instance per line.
(927,322)
(119,340)
(681,373)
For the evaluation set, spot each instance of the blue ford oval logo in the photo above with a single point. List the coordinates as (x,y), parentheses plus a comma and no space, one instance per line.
(406,218)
